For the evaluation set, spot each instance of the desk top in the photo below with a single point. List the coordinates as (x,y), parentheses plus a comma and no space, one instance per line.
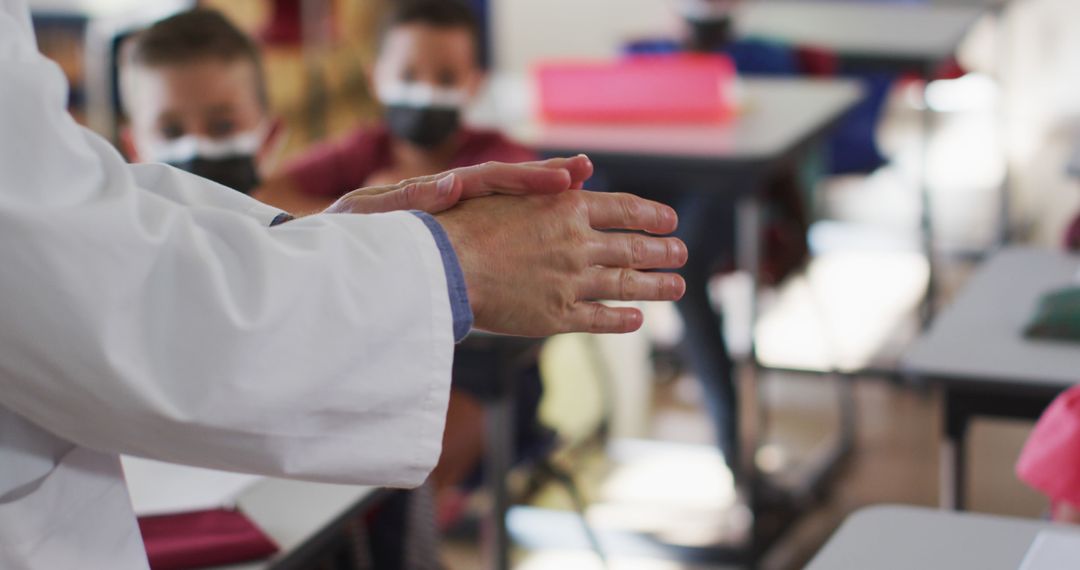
(1074,159)
(100,9)
(777,116)
(979,337)
(902,538)
(295,513)
(926,34)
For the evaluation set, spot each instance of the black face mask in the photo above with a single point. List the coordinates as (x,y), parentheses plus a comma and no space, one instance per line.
(237,172)
(425,127)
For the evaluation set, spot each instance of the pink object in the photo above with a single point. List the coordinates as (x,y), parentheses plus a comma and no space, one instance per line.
(639,89)
(202,539)
(1050,461)
(332,169)
(1071,238)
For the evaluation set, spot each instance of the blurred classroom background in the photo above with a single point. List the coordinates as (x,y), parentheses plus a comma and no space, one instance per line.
(978,143)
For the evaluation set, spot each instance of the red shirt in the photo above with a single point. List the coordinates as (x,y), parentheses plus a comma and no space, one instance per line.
(330,170)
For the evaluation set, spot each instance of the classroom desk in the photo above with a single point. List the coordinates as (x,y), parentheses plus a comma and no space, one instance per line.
(903,37)
(878,37)
(906,538)
(1073,167)
(693,167)
(976,352)
(301,517)
(782,119)
(509,355)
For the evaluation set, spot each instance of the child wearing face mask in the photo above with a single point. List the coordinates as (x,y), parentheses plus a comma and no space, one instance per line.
(427,71)
(195,97)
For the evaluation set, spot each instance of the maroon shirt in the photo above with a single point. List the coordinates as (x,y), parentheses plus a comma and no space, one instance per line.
(331,169)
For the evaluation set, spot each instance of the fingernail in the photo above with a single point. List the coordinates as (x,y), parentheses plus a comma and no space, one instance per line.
(445,186)
(634,320)
(679,287)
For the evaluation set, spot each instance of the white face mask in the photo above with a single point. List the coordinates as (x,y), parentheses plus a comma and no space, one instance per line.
(230,162)
(189,147)
(419,95)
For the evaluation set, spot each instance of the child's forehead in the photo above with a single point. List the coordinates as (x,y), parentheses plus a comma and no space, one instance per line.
(429,40)
(205,75)
(195,85)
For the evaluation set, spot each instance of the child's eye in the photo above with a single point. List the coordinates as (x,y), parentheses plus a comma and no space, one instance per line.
(221,128)
(172,131)
(447,79)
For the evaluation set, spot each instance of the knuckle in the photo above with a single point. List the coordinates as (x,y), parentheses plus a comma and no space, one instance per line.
(574,200)
(573,209)
(406,196)
(631,205)
(628,284)
(639,250)
(598,318)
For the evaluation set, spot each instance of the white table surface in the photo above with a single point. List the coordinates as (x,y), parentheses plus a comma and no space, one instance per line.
(914,538)
(776,115)
(105,8)
(980,335)
(294,512)
(1074,159)
(928,33)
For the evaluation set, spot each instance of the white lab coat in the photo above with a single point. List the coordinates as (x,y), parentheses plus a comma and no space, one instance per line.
(148,312)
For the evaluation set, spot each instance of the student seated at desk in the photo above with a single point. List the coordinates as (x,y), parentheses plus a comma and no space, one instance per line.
(195,97)
(427,70)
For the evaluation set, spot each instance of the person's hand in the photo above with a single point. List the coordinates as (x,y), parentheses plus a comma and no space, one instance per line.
(537,265)
(440,192)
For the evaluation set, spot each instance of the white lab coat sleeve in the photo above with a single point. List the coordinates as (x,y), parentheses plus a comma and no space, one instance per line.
(135,323)
(192,191)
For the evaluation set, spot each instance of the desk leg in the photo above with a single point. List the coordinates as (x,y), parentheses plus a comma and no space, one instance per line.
(703,345)
(1002,41)
(953,468)
(926,218)
(748,257)
(497,463)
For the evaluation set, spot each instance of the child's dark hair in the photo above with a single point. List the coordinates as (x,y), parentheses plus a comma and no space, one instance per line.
(445,14)
(192,36)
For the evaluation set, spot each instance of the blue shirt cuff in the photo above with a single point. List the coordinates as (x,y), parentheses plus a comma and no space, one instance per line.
(455,278)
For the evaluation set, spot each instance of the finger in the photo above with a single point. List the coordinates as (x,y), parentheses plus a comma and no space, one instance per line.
(630,285)
(617,211)
(579,167)
(432,195)
(637,251)
(601,319)
(499,178)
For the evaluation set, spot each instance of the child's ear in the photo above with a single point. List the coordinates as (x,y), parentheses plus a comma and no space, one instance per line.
(273,145)
(369,80)
(127,144)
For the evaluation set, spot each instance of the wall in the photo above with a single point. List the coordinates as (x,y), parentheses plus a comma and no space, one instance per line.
(528,30)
